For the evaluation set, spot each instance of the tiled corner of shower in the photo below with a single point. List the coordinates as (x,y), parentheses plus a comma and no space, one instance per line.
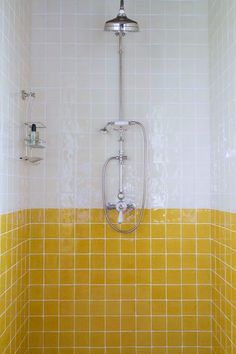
(68,282)
(14,280)
(14,218)
(223,143)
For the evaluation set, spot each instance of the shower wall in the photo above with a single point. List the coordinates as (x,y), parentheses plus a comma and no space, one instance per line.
(222,47)
(65,276)
(15,27)
(222,102)
(74,72)
(92,290)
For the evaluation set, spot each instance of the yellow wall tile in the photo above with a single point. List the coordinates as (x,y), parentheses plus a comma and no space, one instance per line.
(52,230)
(66,261)
(97,261)
(82,231)
(51,246)
(172,252)
(50,339)
(159,261)
(143,231)
(81,261)
(127,291)
(36,323)
(37,230)
(189,231)
(189,216)
(37,215)
(113,340)
(158,215)
(159,339)
(81,324)
(173,230)
(97,308)
(203,216)
(67,215)
(51,261)
(158,230)
(52,215)
(97,323)
(51,307)
(67,292)
(82,216)
(113,246)
(97,215)
(97,292)
(173,246)
(158,246)
(81,339)
(67,276)
(82,292)
(97,339)
(113,262)
(113,277)
(50,292)
(51,323)
(66,245)
(81,246)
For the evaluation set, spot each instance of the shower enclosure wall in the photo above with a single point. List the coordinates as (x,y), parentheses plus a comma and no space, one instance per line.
(68,282)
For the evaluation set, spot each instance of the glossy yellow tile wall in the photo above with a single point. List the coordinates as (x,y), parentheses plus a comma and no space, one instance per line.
(91,288)
(224,282)
(14,267)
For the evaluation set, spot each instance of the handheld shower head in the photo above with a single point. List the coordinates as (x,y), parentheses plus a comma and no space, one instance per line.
(106,130)
(121,23)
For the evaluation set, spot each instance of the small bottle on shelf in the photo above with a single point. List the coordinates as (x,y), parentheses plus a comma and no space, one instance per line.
(33,135)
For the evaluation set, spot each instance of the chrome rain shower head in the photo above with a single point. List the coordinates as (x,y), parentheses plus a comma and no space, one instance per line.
(121,23)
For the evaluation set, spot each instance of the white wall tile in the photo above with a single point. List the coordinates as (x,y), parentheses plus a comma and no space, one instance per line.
(222,102)
(75,74)
(15,28)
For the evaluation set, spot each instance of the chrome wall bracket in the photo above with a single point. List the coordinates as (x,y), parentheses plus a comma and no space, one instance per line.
(25,95)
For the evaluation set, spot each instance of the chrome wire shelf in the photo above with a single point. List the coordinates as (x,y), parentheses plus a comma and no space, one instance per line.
(40,144)
(39,125)
(32,159)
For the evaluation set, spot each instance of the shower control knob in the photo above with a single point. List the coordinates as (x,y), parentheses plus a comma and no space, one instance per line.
(111,206)
(131,206)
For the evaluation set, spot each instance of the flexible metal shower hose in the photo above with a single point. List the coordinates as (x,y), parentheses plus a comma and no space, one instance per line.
(112,225)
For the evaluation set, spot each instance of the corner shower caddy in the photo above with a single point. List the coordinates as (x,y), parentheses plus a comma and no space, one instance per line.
(41,144)
(29,148)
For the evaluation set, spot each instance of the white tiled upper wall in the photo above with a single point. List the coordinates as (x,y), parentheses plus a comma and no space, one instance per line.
(75,76)
(15,28)
(222,46)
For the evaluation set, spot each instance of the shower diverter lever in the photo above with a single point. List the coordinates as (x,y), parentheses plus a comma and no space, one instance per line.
(111,206)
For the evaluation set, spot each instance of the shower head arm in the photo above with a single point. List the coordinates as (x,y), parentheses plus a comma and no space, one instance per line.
(122,6)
